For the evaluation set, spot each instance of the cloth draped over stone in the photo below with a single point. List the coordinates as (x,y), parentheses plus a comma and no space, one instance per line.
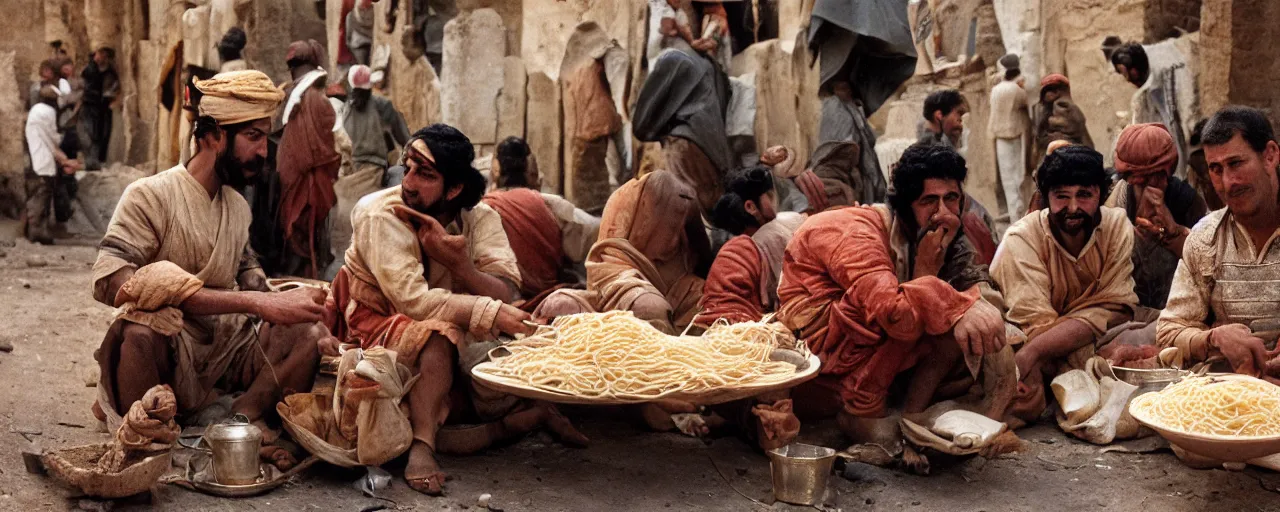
(845,123)
(685,96)
(847,177)
(148,428)
(866,43)
(1144,149)
(841,289)
(742,285)
(239,96)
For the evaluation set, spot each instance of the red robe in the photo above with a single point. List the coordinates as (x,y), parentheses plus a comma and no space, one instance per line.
(840,289)
(534,235)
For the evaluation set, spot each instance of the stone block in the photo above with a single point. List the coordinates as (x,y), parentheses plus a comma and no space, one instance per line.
(12,124)
(776,92)
(544,130)
(474,47)
(511,100)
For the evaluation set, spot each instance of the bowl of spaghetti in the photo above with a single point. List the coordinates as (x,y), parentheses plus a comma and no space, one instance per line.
(615,358)
(1231,418)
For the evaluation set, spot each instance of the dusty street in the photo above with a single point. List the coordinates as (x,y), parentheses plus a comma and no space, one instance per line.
(54,326)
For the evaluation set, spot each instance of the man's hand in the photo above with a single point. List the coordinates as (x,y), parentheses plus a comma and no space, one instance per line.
(71,166)
(814,190)
(706,45)
(296,306)
(437,244)
(981,330)
(668,27)
(511,320)
(1153,215)
(1242,349)
(932,251)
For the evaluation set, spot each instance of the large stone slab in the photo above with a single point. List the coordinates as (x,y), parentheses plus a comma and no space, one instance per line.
(1239,61)
(776,93)
(511,100)
(412,85)
(544,130)
(12,119)
(474,47)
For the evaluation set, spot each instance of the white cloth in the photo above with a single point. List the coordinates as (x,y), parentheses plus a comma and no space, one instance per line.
(42,139)
(1011,159)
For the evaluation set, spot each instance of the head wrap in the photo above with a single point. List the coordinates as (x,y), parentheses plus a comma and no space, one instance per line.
(360,77)
(239,96)
(1144,149)
(306,52)
(1054,79)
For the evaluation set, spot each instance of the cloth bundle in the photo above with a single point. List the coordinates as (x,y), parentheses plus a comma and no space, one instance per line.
(239,96)
(150,297)
(1093,404)
(148,428)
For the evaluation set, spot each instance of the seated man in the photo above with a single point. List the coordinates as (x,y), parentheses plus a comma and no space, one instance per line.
(1225,299)
(742,285)
(1065,271)
(1161,206)
(548,234)
(650,257)
(176,260)
(427,277)
(880,290)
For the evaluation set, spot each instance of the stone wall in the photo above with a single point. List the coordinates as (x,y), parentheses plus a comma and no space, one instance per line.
(1168,19)
(1240,61)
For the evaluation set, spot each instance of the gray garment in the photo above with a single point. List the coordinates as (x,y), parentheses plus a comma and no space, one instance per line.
(685,96)
(360,29)
(866,43)
(369,129)
(844,122)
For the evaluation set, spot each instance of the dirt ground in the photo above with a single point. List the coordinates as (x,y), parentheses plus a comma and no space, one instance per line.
(54,326)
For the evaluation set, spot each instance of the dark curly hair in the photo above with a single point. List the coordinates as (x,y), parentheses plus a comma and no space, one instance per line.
(512,156)
(232,44)
(742,185)
(454,153)
(1072,165)
(918,163)
(945,100)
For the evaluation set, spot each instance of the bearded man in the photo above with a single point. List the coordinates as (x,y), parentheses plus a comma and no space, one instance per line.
(1225,294)
(878,291)
(742,285)
(194,311)
(550,236)
(427,276)
(1066,271)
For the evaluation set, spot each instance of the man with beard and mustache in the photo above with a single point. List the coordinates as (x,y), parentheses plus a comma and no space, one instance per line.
(194,310)
(889,290)
(1065,271)
(428,276)
(1225,300)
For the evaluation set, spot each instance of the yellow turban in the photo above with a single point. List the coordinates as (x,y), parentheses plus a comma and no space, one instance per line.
(239,96)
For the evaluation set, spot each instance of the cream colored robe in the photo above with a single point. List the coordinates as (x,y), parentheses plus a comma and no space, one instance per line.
(1042,283)
(170,217)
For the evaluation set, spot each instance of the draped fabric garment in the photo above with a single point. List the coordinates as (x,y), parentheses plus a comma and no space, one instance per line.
(308,164)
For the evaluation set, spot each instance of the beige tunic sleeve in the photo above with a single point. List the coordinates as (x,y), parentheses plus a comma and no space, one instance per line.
(1024,282)
(133,236)
(391,252)
(490,249)
(1182,323)
(578,229)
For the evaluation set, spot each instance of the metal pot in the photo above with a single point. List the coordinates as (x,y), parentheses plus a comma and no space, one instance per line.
(800,472)
(235,445)
(1148,380)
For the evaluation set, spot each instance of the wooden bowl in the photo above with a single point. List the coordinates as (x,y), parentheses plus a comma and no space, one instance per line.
(78,467)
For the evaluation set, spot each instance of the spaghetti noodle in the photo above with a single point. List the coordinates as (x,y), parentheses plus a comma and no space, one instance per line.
(616,355)
(1208,405)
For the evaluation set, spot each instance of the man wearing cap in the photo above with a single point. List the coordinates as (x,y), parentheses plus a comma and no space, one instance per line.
(48,164)
(375,128)
(193,312)
(1056,117)
(307,162)
(1009,126)
(1161,206)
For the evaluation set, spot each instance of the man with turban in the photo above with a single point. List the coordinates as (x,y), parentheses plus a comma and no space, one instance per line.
(1161,206)
(194,312)
(307,163)
(1056,117)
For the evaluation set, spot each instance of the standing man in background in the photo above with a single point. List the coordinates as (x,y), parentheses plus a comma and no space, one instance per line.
(1008,124)
(101,86)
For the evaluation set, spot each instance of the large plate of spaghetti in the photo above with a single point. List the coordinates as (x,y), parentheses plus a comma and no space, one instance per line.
(615,358)
(1231,418)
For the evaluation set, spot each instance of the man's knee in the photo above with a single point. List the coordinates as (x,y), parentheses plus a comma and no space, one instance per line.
(558,304)
(651,307)
(436,354)
(143,342)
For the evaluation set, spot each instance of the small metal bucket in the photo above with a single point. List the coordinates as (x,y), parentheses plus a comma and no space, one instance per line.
(800,472)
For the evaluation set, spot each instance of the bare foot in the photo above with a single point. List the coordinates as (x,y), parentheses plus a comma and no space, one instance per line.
(423,474)
(563,430)
(278,457)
